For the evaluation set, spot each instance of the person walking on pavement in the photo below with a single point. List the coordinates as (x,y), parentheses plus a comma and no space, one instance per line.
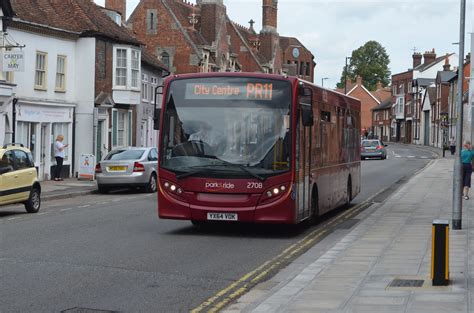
(59,154)
(452,145)
(466,158)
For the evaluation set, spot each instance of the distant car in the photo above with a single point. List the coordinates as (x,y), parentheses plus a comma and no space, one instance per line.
(128,167)
(18,178)
(373,148)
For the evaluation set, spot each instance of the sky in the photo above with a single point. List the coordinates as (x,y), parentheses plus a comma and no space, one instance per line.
(332,29)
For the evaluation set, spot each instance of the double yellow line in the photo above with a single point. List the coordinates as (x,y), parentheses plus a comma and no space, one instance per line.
(263,272)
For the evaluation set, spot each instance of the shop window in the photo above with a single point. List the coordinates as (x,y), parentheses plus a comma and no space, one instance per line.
(60,129)
(25,134)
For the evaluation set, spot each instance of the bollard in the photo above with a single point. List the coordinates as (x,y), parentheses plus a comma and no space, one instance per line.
(440,253)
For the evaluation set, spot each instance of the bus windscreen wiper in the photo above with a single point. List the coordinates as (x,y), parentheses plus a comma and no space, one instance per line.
(204,168)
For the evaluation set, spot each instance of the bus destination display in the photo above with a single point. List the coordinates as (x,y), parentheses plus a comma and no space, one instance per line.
(223,91)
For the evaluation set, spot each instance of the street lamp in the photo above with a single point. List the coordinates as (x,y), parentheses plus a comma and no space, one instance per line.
(345,76)
(322,81)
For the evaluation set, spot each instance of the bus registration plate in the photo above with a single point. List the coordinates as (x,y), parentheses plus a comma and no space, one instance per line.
(222,216)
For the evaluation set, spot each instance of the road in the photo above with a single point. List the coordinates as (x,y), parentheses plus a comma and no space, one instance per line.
(111,253)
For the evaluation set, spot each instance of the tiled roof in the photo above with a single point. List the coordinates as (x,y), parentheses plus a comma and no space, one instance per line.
(153,61)
(386,104)
(382,94)
(424,82)
(446,76)
(81,16)
(286,42)
(424,67)
(432,94)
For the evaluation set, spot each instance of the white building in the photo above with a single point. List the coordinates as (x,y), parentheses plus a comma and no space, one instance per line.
(153,72)
(46,93)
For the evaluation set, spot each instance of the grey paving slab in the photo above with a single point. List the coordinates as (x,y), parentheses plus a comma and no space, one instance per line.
(392,240)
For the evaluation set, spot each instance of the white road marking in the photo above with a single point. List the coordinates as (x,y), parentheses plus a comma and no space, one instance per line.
(14,218)
(84,206)
(66,209)
(43,213)
(411,156)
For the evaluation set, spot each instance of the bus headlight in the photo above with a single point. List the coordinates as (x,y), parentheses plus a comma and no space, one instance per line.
(274,193)
(172,189)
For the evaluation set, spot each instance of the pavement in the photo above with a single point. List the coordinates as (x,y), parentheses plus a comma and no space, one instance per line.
(70,187)
(392,240)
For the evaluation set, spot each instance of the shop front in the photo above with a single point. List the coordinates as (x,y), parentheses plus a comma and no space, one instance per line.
(37,126)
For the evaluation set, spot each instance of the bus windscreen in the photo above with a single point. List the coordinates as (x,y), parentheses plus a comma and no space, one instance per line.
(222,124)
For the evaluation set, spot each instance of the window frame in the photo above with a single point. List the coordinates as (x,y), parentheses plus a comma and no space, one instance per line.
(43,71)
(64,58)
(132,69)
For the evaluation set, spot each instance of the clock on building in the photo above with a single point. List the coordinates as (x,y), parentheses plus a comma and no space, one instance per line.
(296,53)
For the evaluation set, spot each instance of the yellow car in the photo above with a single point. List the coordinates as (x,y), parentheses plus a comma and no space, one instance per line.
(18,178)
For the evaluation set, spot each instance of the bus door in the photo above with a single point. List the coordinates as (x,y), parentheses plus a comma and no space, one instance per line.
(303,153)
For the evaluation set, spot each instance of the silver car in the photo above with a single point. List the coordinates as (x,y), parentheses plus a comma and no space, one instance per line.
(372,148)
(128,167)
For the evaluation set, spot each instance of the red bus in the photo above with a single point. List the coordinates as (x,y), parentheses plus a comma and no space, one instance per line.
(258,148)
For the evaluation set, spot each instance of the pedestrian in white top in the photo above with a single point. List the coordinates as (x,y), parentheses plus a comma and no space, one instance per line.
(59,155)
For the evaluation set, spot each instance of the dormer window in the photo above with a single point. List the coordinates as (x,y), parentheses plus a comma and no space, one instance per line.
(165,58)
(118,19)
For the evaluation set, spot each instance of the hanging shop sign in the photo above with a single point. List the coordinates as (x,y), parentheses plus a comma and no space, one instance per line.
(13,61)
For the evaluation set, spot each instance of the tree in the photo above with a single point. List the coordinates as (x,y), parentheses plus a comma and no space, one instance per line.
(369,62)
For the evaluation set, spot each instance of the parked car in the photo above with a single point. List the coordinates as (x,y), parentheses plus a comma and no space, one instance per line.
(373,148)
(18,178)
(128,167)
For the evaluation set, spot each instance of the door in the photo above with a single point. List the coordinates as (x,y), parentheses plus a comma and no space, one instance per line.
(144,134)
(25,174)
(303,170)
(426,140)
(99,141)
(43,142)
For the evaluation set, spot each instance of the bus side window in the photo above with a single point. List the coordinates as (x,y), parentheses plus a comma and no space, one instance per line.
(326,116)
(306,101)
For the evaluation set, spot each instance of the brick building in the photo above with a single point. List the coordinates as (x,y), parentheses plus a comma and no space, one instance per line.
(381,119)
(368,100)
(190,38)
(401,107)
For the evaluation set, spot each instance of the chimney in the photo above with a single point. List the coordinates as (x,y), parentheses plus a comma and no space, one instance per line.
(117,5)
(446,66)
(269,38)
(378,86)
(359,80)
(416,59)
(212,13)
(429,57)
(269,16)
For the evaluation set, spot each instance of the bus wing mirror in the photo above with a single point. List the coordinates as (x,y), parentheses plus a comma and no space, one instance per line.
(156,119)
(307,115)
(156,111)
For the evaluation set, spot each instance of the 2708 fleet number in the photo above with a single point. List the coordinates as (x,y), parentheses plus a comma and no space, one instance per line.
(254,185)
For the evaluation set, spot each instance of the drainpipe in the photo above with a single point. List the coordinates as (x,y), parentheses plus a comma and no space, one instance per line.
(14,101)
